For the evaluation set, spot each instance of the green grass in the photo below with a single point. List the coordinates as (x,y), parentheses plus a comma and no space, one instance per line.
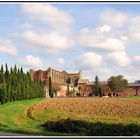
(13,118)
(133,97)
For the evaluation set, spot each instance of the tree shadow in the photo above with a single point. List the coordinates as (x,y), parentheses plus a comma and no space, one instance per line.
(85,128)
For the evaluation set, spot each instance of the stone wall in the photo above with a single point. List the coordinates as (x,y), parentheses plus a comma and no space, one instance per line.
(38,75)
(88,89)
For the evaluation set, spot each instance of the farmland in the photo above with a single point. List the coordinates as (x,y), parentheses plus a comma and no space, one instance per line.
(37,116)
(91,109)
(112,113)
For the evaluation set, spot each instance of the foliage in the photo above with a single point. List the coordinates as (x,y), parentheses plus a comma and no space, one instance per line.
(50,88)
(17,85)
(117,83)
(79,89)
(100,92)
(69,93)
(78,94)
(96,86)
(86,128)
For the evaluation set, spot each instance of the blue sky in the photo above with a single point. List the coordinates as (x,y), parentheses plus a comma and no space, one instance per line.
(99,39)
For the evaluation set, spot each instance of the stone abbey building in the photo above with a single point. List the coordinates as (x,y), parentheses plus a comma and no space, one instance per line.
(60,78)
(71,81)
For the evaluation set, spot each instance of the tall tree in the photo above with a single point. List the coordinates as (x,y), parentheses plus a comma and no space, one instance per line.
(117,83)
(96,86)
(2,85)
(7,89)
(50,87)
(100,92)
(17,85)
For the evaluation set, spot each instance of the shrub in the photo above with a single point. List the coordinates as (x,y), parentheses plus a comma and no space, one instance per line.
(78,94)
(92,129)
(70,93)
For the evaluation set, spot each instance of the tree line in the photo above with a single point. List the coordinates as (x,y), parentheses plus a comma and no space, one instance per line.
(117,84)
(17,85)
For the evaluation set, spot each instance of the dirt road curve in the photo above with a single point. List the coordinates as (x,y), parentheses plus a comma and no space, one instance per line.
(9,134)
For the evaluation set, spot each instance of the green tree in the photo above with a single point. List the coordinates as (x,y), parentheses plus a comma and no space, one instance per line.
(117,83)
(96,86)
(100,92)
(50,88)
(2,85)
(17,85)
(7,80)
(79,90)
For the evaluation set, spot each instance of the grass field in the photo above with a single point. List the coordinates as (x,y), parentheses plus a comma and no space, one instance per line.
(133,97)
(28,116)
(13,118)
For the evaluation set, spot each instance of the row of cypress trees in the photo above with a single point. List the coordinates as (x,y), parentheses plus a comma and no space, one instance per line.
(17,85)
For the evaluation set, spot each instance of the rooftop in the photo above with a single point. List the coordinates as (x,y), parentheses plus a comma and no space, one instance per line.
(83,81)
(134,84)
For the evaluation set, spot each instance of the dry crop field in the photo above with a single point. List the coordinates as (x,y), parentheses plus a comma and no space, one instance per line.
(110,110)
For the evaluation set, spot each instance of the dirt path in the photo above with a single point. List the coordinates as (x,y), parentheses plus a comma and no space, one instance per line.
(10,134)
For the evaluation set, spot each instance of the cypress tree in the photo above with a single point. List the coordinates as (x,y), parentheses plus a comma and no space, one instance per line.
(100,92)
(96,86)
(50,88)
(7,89)
(2,85)
(17,85)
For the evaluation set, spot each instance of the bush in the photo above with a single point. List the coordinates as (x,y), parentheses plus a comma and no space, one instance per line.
(90,94)
(85,128)
(70,93)
(78,94)
(67,126)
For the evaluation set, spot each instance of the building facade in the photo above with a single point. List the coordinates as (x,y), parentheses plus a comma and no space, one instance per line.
(87,89)
(62,79)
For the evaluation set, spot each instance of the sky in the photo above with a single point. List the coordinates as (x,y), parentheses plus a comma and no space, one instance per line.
(99,39)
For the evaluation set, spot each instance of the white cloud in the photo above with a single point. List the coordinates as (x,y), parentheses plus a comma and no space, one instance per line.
(31,61)
(26,25)
(88,60)
(102,72)
(99,40)
(118,59)
(49,14)
(124,38)
(134,28)
(7,47)
(136,60)
(105,28)
(61,61)
(113,18)
(51,42)
(57,35)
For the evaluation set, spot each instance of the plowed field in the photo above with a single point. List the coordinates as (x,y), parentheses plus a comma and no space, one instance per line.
(110,110)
